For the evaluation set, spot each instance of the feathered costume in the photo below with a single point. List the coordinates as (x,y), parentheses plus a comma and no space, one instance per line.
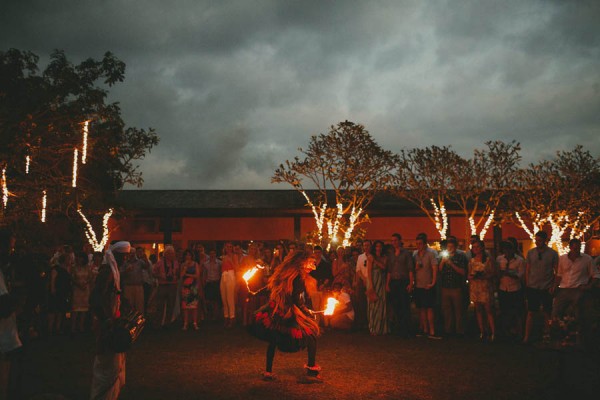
(285,320)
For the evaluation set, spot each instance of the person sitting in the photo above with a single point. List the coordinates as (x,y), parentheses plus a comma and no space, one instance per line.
(343,316)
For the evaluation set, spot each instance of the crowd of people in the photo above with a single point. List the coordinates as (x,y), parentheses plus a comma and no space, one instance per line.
(384,288)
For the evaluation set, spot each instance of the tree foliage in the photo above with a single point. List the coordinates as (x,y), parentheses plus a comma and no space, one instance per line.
(424,176)
(345,162)
(479,184)
(42,116)
(563,192)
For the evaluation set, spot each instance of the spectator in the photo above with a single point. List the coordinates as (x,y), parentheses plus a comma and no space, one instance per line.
(190,289)
(60,294)
(148,281)
(343,316)
(341,269)
(400,283)
(453,271)
(481,276)
(360,286)
(575,272)
(11,348)
(426,266)
(132,280)
(229,264)
(82,280)
(212,279)
(166,271)
(376,288)
(542,262)
(511,269)
(323,276)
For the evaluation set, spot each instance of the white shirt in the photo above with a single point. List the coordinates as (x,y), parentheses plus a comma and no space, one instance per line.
(361,267)
(575,273)
(344,299)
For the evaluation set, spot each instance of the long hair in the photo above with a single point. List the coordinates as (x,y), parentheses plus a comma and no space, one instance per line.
(281,285)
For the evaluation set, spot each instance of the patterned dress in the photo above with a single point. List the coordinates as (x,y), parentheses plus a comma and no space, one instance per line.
(377,310)
(480,286)
(189,287)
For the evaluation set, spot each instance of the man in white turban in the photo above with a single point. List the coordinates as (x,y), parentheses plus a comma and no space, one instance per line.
(109,367)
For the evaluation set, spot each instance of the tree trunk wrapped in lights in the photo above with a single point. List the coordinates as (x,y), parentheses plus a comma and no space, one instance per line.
(347,164)
(563,193)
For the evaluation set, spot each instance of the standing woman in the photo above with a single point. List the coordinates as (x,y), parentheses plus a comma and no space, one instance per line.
(279,254)
(340,268)
(376,282)
(190,288)
(285,322)
(229,264)
(82,280)
(60,293)
(481,276)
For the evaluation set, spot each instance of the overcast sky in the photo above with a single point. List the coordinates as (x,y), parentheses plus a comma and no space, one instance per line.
(233,88)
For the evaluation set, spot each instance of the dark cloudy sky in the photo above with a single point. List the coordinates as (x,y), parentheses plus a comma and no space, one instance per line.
(233,88)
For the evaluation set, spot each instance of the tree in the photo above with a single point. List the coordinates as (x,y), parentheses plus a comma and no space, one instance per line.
(346,163)
(424,177)
(44,121)
(480,183)
(563,193)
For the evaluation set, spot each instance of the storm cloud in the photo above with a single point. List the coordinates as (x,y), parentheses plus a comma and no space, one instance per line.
(233,88)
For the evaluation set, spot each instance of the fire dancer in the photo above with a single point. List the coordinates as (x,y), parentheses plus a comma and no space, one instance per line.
(285,322)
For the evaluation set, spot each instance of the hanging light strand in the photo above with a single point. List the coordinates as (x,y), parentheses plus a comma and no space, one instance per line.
(4,188)
(75,159)
(91,235)
(85,142)
(44,200)
(27,162)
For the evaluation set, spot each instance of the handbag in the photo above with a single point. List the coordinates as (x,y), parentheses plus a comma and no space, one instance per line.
(125,331)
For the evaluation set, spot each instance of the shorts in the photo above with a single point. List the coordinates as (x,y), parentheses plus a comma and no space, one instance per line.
(424,298)
(537,298)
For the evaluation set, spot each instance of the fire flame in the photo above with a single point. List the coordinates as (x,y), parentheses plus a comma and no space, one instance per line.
(331,303)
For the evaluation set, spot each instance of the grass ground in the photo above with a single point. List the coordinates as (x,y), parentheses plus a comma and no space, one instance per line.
(215,363)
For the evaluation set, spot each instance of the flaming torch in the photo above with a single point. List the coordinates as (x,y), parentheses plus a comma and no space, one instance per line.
(249,274)
(331,304)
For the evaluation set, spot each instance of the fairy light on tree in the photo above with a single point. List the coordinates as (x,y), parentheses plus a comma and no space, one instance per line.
(85,142)
(441,218)
(90,234)
(354,215)
(4,188)
(344,165)
(44,203)
(75,160)
(27,162)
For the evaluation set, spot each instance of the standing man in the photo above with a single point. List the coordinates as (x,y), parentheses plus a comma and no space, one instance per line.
(132,280)
(426,266)
(212,279)
(166,271)
(360,286)
(453,271)
(575,272)
(511,269)
(540,270)
(400,282)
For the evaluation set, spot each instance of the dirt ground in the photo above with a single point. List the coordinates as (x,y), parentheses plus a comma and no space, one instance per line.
(215,363)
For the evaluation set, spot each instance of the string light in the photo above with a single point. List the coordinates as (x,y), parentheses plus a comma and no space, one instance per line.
(43,217)
(91,235)
(441,219)
(4,188)
(85,140)
(351,224)
(319,215)
(27,161)
(75,158)
(486,225)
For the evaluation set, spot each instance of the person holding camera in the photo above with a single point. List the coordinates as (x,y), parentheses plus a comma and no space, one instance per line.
(453,271)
